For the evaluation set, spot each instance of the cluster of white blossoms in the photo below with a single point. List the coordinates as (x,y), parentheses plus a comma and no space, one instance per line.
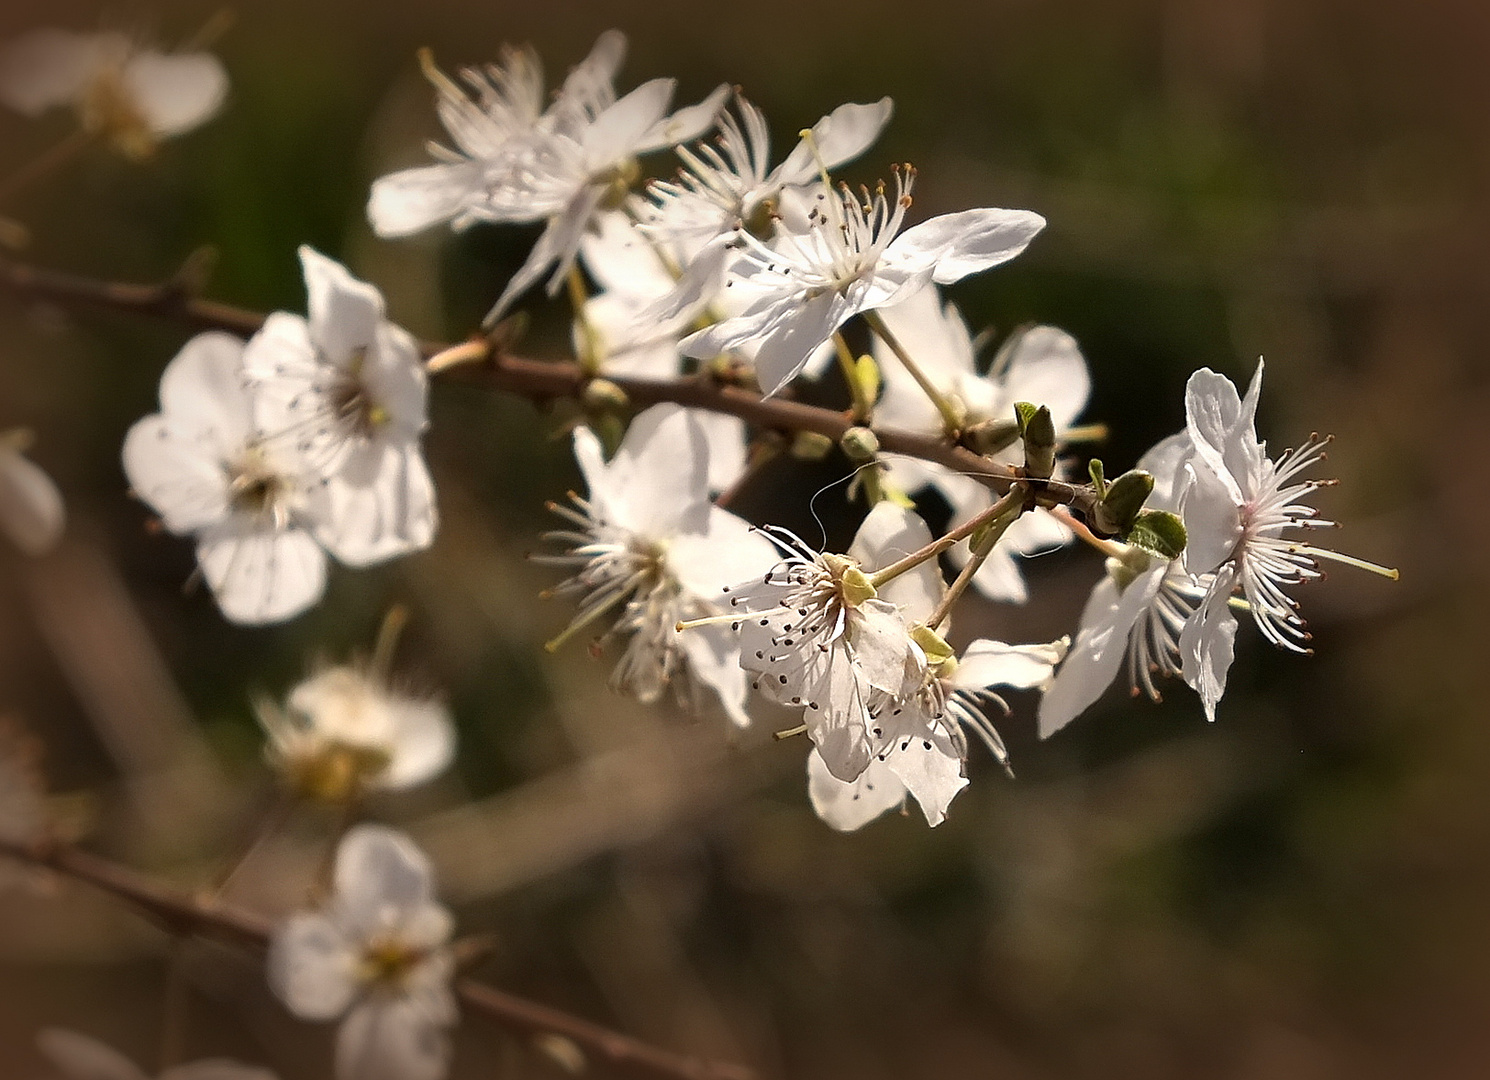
(303,441)
(708,294)
(747,271)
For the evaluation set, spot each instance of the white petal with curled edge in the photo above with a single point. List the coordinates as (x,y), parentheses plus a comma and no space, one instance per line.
(847,805)
(261,575)
(381,877)
(616,134)
(837,725)
(558,244)
(83,1058)
(686,124)
(967,242)
(178,91)
(31,510)
(392,514)
(1208,642)
(1098,650)
(992,663)
(47,68)
(877,633)
(399,1038)
(931,770)
(423,742)
(411,200)
(313,967)
(784,351)
(841,136)
(888,534)
(344,313)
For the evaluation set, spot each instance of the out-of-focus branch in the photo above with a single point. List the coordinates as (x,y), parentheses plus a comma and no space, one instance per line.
(210,918)
(539,380)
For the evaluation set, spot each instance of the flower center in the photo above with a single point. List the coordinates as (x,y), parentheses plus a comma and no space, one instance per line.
(387,961)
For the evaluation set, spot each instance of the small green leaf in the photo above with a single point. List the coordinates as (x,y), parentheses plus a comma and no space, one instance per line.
(1099,480)
(1159,532)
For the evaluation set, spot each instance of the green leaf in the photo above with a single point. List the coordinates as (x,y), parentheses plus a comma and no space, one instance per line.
(1159,532)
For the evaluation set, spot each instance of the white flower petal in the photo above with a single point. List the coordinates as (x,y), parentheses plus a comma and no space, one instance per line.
(176,92)
(313,967)
(888,534)
(617,133)
(392,514)
(344,313)
(847,805)
(662,467)
(261,574)
(967,242)
(685,125)
(931,770)
(381,878)
(410,201)
(47,68)
(1047,368)
(423,742)
(1098,650)
(392,1039)
(993,663)
(1207,644)
(783,353)
(841,136)
(202,391)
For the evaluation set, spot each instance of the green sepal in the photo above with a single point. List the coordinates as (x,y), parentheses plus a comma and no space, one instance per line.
(1039,439)
(1120,506)
(935,647)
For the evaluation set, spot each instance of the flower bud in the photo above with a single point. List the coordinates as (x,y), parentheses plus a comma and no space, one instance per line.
(1038,429)
(1120,504)
(604,396)
(860,445)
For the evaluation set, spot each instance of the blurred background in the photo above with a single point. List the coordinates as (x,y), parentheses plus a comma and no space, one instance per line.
(1300,890)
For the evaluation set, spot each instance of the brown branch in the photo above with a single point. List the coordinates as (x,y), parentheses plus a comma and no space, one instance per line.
(540,380)
(181,914)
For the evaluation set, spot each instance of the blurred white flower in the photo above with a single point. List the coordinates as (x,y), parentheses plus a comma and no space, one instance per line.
(202,466)
(127,93)
(79,1057)
(1041,365)
(344,730)
(31,510)
(377,956)
(501,105)
(850,258)
(919,741)
(345,391)
(819,635)
(648,541)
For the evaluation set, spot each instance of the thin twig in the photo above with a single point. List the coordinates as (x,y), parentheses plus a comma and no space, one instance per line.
(545,380)
(181,914)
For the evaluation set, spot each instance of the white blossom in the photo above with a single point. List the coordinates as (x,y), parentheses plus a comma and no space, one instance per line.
(1138,609)
(1242,504)
(345,391)
(727,183)
(489,120)
(123,91)
(850,258)
(79,1057)
(919,741)
(32,514)
(1039,364)
(377,956)
(345,730)
(648,543)
(202,466)
(817,634)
